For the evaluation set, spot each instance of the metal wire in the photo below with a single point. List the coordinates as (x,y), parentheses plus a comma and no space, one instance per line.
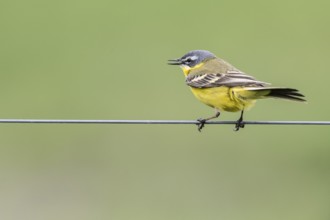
(78,121)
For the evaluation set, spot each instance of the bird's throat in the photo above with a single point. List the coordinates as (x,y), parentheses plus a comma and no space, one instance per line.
(187,69)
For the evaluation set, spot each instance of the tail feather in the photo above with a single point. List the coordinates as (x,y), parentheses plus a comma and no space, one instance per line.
(286,93)
(283,93)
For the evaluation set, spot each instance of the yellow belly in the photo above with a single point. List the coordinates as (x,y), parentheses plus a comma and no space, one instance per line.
(223,98)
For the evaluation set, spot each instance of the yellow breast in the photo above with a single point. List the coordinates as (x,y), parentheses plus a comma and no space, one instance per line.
(222,98)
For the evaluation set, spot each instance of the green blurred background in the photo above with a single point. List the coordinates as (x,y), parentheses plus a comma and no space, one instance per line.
(107,60)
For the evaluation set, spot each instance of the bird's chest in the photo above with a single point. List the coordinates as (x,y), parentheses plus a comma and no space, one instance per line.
(217,97)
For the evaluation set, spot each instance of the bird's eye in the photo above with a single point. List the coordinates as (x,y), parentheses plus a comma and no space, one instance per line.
(189,60)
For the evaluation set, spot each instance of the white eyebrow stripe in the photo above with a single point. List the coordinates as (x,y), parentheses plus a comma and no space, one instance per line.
(191,58)
(194,57)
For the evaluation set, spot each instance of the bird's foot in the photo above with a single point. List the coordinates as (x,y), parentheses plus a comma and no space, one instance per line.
(239,124)
(201,124)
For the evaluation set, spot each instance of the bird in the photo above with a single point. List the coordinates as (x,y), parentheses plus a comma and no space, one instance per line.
(223,87)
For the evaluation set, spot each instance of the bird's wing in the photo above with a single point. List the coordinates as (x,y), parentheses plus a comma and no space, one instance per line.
(231,78)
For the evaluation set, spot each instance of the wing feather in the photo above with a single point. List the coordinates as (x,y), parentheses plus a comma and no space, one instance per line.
(231,78)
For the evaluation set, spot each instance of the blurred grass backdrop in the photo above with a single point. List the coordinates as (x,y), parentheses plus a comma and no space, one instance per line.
(107,60)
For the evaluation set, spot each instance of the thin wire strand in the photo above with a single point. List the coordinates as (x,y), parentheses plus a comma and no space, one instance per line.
(78,121)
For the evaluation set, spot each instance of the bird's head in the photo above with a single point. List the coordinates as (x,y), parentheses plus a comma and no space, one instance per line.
(192,60)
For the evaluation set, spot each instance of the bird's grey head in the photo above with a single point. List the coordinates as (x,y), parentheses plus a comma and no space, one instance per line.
(192,58)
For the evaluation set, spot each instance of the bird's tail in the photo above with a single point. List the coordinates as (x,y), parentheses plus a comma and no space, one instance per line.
(275,92)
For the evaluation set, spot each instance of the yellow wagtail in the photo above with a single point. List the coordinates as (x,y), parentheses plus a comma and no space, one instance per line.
(223,87)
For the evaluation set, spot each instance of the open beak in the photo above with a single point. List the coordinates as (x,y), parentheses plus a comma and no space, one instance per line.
(175,62)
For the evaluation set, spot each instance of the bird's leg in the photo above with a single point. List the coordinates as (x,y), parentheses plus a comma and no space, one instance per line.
(202,121)
(239,123)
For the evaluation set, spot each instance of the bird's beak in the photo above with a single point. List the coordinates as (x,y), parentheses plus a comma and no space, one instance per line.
(175,62)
